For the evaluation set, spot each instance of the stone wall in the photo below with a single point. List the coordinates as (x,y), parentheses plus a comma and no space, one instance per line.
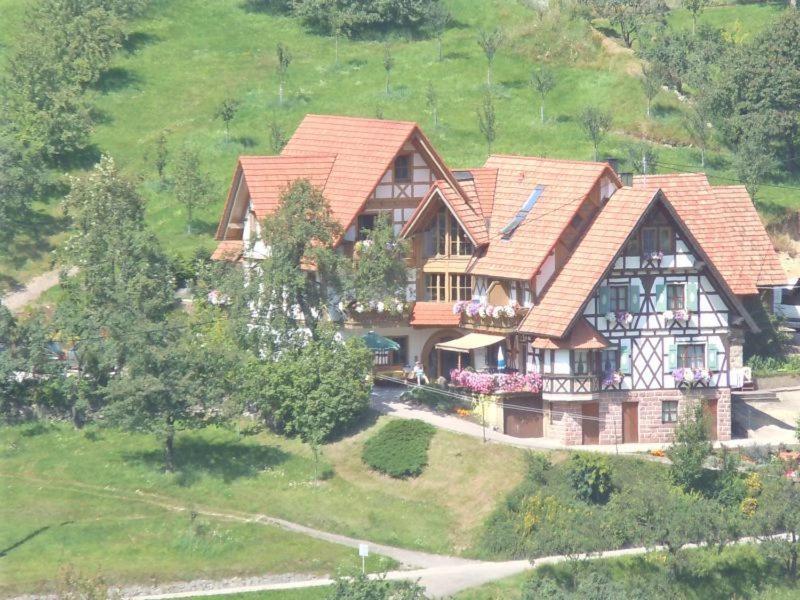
(563,419)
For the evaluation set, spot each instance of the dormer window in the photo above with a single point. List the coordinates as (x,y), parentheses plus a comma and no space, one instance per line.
(656,239)
(450,239)
(402,168)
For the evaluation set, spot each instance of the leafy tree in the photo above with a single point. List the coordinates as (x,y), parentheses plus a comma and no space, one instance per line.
(432,102)
(487,120)
(21,175)
(777,513)
(754,161)
(227,112)
(629,16)
(439,17)
(595,123)
(652,80)
(361,587)
(365,16)
(162,155)
(643,158)
(543,80)
(696,7)
(690,449)
(192,186)
(121,283)
(490,42)
(175,378)
(697,125)
(289,298)
(388,64)
(379,269)
(277,136)
(284,59)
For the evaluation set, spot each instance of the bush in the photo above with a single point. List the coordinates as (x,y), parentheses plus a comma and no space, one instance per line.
(400,449)
(431,398)
(590,476)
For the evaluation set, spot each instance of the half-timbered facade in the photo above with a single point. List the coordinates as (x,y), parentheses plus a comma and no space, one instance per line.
(627,300)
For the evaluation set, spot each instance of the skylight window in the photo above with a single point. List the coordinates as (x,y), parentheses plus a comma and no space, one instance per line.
(523,212)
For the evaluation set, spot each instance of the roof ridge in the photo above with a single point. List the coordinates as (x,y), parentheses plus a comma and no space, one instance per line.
(355,118)
(530,157)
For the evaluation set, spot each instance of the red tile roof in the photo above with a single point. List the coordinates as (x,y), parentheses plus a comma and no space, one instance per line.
(230,250)
(566,185)
(582,272)
(429,314)
(737,244)
(582,337)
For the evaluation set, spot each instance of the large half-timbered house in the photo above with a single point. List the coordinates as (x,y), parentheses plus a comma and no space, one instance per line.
(628,300)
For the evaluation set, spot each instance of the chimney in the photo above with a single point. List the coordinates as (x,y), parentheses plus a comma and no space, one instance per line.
(627,179)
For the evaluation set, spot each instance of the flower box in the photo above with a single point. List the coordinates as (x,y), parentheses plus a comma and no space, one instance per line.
(487,314)
(688,377)
(495,383)
(622,318)
(680,315)
(613,380)
(391,307)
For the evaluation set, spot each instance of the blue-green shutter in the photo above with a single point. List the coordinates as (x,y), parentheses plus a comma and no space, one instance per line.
(661,297)
(712,360)
(673,356)
(603,303)
(692,298)
(634,298)
(625,356)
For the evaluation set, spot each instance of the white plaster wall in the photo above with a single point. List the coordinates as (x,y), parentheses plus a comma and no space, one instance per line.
(548,268)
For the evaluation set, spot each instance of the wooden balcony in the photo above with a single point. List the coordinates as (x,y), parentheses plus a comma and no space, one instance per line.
(502,325)
(570,384)
(373,318)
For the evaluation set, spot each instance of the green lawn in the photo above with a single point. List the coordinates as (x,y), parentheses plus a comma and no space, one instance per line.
(185,56)
(741,21)
(440,511)
(317,593)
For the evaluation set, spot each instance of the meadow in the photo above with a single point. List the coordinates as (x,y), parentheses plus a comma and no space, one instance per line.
(99,498)
(184,57)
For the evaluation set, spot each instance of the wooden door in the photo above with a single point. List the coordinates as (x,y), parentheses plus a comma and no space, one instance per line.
(590,425)
(630,422)
(710,413)
(519,422)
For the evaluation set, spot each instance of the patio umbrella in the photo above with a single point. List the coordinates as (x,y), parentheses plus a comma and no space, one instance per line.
(501,359)
(378,342)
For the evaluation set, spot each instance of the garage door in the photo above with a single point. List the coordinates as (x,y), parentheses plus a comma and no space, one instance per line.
(522,417)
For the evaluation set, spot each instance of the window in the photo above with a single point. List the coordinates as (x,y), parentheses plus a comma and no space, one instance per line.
(402,168)
(460,287)
(619,298)
(435,287)
(692,356)
(580,360)
(655,239)
(790,297)
(669,411)
(676,296)
(459,242)
(365,224)
(632,249)
(441,233)
(609,362)
(576,221)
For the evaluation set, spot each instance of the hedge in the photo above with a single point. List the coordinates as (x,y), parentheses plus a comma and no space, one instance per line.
(400,449)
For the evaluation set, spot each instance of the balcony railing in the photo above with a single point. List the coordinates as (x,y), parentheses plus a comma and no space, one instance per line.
(570,384)
(477,315)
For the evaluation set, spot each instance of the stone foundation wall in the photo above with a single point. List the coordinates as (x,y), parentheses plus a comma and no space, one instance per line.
(563,419)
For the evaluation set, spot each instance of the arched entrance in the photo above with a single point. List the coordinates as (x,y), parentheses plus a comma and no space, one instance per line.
(440,363)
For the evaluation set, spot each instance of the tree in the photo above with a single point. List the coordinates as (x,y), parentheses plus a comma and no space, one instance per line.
(432,102)
(174,379)
(284,59)
(227,111)
(192,186)
(777,513)
(629,16)
(365,16)
(643,158)
(379,271)
(388,64)
(361,587)
(277,136)
(290,300)
(162,155)
(490,42)
(754,161)
(689,450)
(595,123)
(652,80)
(695,7)
(543,80)
(122,282)
(696,123)
(439,17)
(487,123)
(21,176)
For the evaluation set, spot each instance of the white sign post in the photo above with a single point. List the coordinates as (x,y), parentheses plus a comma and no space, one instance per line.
(363,552)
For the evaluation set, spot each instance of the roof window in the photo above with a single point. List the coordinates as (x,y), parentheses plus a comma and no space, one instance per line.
(522,213)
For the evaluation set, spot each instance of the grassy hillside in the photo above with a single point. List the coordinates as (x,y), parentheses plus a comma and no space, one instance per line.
(185,56)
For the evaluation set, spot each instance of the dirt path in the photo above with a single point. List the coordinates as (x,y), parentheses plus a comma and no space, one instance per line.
(16,301)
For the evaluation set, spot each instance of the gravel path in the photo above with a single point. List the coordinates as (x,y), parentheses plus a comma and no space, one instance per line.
(16,301)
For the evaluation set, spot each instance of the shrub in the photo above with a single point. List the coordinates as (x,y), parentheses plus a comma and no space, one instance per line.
(690,450)
(590,476)
(431,398)
(538,466)
(400,449)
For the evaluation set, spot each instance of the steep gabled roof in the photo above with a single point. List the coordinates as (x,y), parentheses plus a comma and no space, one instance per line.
(430,314)
(565,185)
(593,256)
(738,244)
(582,336)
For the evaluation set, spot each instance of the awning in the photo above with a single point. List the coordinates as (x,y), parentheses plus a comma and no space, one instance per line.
(375,341)
(471,341)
